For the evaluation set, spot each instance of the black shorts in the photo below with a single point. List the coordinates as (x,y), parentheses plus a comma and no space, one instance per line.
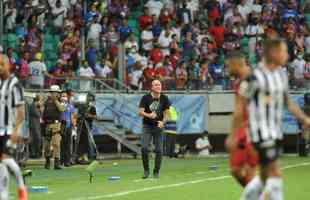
(3,141)
(268,151)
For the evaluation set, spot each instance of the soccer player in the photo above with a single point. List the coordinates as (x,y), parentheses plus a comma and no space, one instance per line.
(4,182)
(243,157)
(265,94)
(12,113)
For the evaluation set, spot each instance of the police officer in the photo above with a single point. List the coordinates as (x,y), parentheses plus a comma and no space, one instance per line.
(53,109)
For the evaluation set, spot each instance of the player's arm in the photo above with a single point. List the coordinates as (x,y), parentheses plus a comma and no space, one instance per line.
(18,103)
(297,112)
(237,121)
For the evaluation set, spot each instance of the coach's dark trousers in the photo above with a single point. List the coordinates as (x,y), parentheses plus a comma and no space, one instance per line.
(149,134)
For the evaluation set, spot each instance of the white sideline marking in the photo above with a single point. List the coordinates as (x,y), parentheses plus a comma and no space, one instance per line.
(124,193)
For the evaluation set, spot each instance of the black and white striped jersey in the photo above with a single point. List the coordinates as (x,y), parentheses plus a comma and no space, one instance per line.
(267,93)
(11,96)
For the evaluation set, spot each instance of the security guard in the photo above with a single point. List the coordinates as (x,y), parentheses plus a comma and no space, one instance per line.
(52,138)
(171,132)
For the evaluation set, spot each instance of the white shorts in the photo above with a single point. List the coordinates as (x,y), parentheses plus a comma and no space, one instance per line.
(4,182)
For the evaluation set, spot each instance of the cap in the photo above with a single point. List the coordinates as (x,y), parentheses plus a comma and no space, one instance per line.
(55,88)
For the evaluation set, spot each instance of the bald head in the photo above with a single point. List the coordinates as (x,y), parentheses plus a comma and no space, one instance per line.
(156,86)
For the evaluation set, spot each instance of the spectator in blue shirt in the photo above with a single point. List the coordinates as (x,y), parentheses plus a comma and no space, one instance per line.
(124,30)
(193,71)
(290,11)
(68,119)
(156,28)
(217,72)
(91,55)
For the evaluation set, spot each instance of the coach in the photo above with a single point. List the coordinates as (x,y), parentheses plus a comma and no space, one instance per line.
(154,108)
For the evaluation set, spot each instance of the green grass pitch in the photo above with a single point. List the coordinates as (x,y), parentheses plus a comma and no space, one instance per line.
(181,179)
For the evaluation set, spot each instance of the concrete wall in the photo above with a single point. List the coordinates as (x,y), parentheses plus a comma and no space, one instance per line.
(221,106)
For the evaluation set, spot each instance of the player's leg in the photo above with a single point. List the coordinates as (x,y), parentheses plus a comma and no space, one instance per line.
(254,188)
(146,141)
(273,181)
(15,169)
(158,143)
(238,166)
(4,182)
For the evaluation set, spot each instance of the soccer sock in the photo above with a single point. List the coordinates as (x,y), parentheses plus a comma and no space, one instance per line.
(253,189)
(274,188)
(4,182)
(14,168)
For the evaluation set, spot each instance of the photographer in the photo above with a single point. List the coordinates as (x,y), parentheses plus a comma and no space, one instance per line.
(52,138)
(87,115)
(68,122)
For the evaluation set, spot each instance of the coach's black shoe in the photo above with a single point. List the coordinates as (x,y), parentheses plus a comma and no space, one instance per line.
(156,175)
(47,163)
(146,175)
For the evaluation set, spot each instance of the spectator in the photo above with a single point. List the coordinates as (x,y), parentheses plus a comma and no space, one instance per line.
(154,7)
(181,76)
(38,72)
(156,54)
(205,76)
(103,70)
(193,71)
(145,20)
(164,40)
(131,42)
(148,76)
(189,47)
(10,15)
(307,71)
(254,31)
(184,14)
(12,59)
(91,54)
(135,77)
(203,145)
(94,32)
(244,9)
(147,38)
(86,73)
(124,30)
(59,13)
(299,66)
(307,42)
(217,32)
(23,70)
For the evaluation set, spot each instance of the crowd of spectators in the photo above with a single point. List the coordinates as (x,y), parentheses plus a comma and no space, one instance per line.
(181,42)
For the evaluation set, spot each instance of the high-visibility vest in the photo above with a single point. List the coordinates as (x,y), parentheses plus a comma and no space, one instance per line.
(171,124)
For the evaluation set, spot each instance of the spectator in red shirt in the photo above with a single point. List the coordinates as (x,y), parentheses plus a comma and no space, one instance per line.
(213,10)
(145,19)
(165,17)
(217,31)
(156,55)
(148,76)
(174,58)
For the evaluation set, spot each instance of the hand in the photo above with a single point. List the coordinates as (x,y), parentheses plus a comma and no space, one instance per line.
(230,143)
(152,115)
(14,137)
(306,123)
(160,124)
